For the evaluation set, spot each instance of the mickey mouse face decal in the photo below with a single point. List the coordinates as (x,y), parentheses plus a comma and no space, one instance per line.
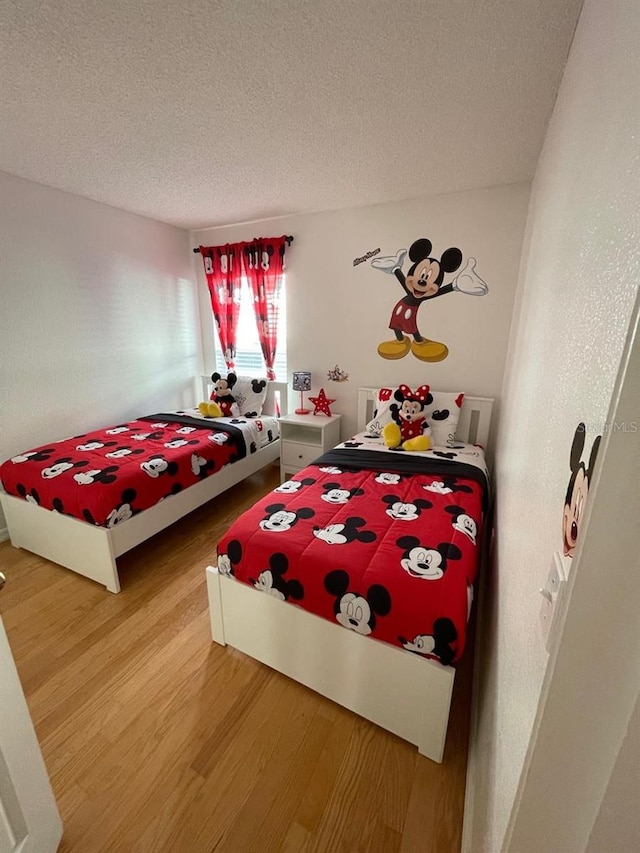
(59,467)
(355,613)
(272,580)
(157,466)
(279,520)
(446,486)
(95,445)
(420,561)
(439,488)
(578,490)
(116,430)
(143,436)
(289,487)
(438,644)
(32,496)
(353,610)
(34,456)
(56,469)
(341,534)
(228,561)
(388,479)
(219,437)
(405,511)
(117,516)
(121,452)
(98,475)
(179,442)
(335,495)
(423,644)
(463,522)
(124,511)
(198,464)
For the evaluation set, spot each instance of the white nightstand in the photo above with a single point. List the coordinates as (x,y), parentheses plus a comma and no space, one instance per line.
(305,437)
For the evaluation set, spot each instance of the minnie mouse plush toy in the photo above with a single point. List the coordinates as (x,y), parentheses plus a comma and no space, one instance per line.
(409,429)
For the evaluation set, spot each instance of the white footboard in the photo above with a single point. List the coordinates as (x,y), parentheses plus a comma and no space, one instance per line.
(92,551)
(79,546)
(401,692)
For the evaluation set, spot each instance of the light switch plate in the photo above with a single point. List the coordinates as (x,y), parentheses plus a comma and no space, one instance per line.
(552,599)
(557,583)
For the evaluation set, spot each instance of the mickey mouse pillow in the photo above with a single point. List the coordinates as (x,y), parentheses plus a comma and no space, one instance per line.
(250,394)
(443,415)
(442,411)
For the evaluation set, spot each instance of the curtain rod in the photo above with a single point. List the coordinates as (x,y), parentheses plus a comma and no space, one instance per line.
(289,240)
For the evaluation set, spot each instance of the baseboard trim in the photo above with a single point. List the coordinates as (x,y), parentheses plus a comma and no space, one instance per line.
(4,534)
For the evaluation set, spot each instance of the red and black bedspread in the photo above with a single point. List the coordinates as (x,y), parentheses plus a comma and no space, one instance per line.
(107,476)
(386,544)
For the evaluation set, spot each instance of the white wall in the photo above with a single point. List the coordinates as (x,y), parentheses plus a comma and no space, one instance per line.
(338,313)
(617,827)
(576,294)
(99,315)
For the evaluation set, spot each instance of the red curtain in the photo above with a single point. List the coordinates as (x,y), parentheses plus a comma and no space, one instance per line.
(263,265)
(223,269)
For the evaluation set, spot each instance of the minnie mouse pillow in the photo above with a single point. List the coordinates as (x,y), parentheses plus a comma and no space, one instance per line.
(442,412)
(250,394)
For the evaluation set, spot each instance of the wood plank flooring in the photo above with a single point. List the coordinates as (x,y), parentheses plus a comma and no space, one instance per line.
(159,741)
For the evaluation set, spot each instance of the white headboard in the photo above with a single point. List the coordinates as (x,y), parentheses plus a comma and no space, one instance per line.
(276,402)
(473,426)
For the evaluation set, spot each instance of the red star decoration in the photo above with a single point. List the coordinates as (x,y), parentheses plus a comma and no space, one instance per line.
(321,403)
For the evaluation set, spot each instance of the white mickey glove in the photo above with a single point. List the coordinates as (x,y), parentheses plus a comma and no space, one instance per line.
(468,281)
(390,264)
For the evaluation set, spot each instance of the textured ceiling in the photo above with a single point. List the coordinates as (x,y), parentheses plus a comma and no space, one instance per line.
(202,113)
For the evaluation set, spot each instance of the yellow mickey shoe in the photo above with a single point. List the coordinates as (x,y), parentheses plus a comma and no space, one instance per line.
(210,409)
(420,442)
(391,435)
(429,350)
(395,348)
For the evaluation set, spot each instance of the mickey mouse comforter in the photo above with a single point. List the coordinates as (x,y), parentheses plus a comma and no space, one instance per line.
(384,543)
(107,476)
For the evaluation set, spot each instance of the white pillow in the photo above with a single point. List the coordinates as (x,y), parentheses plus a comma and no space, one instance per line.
(250,394)
(381,411)
(442,413)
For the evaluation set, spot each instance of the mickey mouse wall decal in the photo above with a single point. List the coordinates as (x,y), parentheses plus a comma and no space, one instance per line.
(423,281)
(575,502)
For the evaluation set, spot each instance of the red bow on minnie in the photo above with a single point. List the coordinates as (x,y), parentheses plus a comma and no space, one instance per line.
(419,395)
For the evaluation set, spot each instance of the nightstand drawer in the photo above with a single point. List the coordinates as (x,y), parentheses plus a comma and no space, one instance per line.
(299,455)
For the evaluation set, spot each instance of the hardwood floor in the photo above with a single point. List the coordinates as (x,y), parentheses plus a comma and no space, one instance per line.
(159,741)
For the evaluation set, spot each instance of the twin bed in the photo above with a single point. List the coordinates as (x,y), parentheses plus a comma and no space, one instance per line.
(87,500)
(368,543)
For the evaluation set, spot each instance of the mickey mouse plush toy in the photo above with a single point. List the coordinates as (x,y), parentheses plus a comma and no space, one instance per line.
(409,429)
(423,281)
(222,399)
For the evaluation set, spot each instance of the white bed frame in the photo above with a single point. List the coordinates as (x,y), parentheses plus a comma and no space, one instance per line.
(92,551)
(405,694)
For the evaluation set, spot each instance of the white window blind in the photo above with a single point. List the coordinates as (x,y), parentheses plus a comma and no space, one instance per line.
(249,360)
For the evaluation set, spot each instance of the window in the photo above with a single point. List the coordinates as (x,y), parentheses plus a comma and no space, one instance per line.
(249,360)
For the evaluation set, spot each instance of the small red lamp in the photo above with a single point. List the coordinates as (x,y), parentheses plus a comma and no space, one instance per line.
(302,383)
